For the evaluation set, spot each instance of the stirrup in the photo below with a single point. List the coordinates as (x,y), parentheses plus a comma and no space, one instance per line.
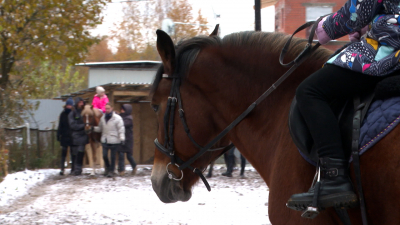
(310,212)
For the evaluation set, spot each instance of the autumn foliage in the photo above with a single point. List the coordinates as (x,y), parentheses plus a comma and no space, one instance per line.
(135,35)
(34,32)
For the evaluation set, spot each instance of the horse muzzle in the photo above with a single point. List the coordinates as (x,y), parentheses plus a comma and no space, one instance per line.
(169,190)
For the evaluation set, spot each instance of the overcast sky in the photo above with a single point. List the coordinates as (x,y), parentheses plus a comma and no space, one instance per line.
(235,15)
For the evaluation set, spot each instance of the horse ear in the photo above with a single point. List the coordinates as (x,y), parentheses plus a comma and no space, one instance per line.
(215,31)
(166,49)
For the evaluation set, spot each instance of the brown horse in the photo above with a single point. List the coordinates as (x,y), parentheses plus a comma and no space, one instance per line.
(220,79)
(91,118)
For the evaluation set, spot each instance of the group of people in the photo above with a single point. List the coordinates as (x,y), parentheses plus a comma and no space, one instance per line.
(116,134)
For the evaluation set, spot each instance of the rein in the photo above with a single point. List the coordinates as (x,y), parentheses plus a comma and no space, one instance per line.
(175,98)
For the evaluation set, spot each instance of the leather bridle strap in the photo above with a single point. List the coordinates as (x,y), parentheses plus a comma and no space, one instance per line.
(180,161)
(308,49)
(301,58)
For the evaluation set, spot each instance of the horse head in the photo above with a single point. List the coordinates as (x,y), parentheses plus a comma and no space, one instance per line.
(170,182)
(202,87)
(90,117)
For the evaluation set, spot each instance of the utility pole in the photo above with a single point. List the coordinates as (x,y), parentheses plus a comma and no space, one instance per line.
(257,10)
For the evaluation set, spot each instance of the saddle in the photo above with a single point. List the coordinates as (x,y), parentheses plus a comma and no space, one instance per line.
(344,111)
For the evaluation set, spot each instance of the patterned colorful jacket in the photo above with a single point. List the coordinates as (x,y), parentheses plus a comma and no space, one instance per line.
(377,51)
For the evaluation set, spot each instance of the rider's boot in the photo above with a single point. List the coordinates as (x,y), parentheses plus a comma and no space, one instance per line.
(336,189)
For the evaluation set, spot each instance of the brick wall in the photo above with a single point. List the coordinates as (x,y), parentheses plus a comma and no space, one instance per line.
(291,14)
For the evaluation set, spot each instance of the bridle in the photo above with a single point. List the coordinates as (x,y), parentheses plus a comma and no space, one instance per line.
(168,147)
(174,98)
(89,124)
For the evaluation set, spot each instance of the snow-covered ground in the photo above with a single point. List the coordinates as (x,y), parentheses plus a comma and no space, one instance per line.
(44,197)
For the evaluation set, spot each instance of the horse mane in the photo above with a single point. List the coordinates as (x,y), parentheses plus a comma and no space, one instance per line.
(87,110)
(188,49)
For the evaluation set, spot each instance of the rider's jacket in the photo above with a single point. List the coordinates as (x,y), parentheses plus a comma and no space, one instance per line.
(377,52)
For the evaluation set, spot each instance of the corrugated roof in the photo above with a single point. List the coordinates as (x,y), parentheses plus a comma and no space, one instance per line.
(123,85)
(119,63)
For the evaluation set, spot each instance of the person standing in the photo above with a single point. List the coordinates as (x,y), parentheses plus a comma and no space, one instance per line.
(127,147)
(112,131)
(242,165)
(229,161)
(79,136)
(64,134)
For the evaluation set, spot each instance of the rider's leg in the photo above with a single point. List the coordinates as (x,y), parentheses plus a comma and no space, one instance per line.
(313,96)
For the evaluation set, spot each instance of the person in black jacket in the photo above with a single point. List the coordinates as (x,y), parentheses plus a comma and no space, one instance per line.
(79,136)
(64,134)
(127,146)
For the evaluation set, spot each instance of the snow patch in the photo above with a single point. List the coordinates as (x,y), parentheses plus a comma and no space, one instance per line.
(18,184)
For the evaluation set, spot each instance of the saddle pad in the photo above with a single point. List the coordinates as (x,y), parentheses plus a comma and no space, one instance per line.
(382,117)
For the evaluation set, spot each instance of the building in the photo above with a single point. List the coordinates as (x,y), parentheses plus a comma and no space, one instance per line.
(45,117)
(127,82)
(291,14)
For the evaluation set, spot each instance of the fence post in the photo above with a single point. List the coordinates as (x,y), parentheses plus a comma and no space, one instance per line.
(27,145)
(52,147)
(38,142)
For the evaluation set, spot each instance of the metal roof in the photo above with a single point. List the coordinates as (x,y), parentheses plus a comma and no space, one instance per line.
(131,64)
(115,86)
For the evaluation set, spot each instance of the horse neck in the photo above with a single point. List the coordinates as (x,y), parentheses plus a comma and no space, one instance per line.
(241,79)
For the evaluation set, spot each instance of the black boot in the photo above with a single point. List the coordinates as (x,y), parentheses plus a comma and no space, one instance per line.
(227,174)
(336,189)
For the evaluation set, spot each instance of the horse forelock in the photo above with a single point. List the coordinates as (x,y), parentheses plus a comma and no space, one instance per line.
(87,110)
(188,50)
(186,53)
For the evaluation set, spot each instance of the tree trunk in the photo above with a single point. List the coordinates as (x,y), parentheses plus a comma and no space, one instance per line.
(6,64)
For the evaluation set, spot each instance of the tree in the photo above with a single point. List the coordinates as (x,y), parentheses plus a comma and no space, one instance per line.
(45,30)
(40,30)
(52,80)
(181,11)
(100,52)
(136,33)
(124,51)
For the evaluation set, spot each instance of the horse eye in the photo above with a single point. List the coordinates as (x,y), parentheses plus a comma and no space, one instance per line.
(155,107)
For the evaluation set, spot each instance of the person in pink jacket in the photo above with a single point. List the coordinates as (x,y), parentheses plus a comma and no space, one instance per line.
(100,99)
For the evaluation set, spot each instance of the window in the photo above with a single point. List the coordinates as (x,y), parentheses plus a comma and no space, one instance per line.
(315,10)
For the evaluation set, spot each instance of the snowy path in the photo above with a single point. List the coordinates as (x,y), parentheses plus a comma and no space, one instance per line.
(131,200)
